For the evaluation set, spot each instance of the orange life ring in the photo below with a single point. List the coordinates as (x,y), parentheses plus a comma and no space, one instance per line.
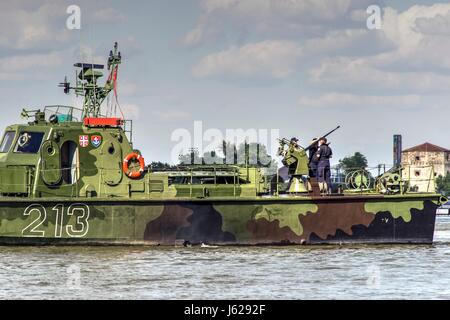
(125,168)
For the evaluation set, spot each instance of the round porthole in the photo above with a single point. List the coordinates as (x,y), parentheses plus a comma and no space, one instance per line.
(111,149)
(50,150)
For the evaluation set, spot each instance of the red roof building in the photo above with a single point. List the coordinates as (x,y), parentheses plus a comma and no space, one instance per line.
(426,147)
(427,154)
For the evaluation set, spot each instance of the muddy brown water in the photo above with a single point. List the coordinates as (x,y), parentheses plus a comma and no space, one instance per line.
(300,272)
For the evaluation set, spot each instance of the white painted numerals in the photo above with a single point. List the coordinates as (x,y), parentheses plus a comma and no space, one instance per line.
(41,215)
(75,228)
(81,226)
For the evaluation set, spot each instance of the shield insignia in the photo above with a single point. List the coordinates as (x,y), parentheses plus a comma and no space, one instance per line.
(83,141)
(96,141)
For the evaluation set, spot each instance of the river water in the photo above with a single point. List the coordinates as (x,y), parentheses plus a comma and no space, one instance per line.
(303,272)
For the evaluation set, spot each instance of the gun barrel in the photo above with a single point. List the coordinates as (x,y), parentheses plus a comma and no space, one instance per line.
(324,136)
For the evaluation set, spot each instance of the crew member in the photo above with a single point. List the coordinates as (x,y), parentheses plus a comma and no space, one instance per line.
(323,155)
(312,164)
(294,143)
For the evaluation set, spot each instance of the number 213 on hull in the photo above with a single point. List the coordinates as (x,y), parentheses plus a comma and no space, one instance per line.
(74,221)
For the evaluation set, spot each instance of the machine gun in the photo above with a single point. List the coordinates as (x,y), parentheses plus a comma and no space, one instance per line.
(285,141)
(297,156)
(324,136)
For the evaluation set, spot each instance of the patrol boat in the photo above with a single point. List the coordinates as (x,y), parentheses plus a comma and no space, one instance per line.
(72,176)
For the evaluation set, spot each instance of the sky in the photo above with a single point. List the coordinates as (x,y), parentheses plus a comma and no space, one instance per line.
(300,66)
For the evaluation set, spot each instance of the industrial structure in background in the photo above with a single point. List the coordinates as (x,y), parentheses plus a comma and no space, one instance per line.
(425,162)
(397,150)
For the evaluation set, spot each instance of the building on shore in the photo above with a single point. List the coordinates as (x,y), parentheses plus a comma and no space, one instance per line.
(424,162)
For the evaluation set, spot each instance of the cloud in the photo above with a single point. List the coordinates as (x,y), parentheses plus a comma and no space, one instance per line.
(39,26)
(358,74)
(224,19)
(412,62)
(171,115)
(127,87)
(86,53)
(274,59)
(347,42)
(336,99)
(108,15)
(29,66)
(25,62)
(130,111)
(280,56)
(436,25)
(193,37)
(404,57)
(415,26)
(278,59)
(30,26)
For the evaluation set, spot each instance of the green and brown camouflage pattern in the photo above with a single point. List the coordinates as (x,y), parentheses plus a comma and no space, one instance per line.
(359,219)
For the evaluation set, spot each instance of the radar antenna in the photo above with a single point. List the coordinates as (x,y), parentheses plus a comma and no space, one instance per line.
(86,85)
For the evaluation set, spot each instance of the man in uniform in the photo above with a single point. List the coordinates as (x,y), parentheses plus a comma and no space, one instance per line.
(294,143)
(312,160)
(323,155)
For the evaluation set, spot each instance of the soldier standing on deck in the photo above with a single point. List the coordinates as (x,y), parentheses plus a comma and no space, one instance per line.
(313,162)
(323,155)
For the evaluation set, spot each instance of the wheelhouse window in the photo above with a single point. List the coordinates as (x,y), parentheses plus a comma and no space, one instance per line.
(29,142)
(7,141)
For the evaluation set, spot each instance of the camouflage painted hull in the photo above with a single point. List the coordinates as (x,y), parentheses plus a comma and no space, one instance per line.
(321,220)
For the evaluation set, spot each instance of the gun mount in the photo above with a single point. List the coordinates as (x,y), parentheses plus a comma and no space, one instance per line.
(296,159)
(391,182)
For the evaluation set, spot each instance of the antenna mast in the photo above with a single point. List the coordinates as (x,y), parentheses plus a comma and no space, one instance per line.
(87,86)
